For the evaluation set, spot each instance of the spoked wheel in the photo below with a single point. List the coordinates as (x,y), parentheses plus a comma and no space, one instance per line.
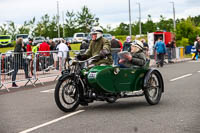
(67,95)
(112,99)
(153,91)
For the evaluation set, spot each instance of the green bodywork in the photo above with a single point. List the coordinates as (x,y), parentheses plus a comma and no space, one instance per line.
(5,40)
(115,79)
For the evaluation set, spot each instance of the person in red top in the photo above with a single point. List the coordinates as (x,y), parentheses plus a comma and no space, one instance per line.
(44,56)
(28,47)
(44,47)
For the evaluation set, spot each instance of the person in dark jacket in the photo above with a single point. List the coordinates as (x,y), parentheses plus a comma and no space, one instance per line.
(115,46)
(127,44)
(198,48)
(18,60)
(136,57)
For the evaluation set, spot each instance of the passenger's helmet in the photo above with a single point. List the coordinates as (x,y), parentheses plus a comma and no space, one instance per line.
(138,44)
(98,31)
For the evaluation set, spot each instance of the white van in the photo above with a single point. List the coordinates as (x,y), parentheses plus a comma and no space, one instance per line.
(24,36)
(79,37)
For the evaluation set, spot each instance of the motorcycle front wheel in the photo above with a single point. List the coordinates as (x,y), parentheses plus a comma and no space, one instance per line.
(67,94)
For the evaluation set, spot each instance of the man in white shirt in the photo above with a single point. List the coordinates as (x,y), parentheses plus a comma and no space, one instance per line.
(62,53)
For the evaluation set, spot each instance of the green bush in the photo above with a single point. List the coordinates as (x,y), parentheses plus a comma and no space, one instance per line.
(183,42)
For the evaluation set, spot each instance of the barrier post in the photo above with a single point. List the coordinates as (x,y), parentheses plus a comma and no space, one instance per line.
(1,84)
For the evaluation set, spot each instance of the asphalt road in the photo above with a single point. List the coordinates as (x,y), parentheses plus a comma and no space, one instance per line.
(34,110)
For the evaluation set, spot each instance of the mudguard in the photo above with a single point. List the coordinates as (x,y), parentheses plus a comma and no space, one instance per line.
(148,75)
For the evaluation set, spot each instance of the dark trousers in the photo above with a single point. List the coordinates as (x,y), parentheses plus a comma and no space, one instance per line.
(160,57)
(16,68)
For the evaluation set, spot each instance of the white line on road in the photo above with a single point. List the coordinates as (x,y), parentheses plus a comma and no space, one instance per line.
(50,122)
(187,75)
(198,71)
(46,91)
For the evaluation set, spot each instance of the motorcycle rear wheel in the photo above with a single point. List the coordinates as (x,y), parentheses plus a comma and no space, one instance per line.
(153,91)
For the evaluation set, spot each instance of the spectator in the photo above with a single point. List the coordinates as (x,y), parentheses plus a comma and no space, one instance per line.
(44,56)
(115,46)
(28,47)
(195,44)
(146,47)
(127,44)
(52,47)
(84,46)
(62,53)
(169,47)
(198,48)
(161,51)
(18,60)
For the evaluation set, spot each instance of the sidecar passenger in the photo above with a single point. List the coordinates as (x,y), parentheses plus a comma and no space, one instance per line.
(136,57)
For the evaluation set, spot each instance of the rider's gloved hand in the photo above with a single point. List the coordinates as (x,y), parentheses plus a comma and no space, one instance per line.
(81,57)
(103,53)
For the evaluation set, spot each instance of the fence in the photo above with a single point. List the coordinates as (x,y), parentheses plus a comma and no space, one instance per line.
(31,67)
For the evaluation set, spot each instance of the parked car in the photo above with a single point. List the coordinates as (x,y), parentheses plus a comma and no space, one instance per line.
(78,37)
(37,40)
(5,40)
(24,36)
(108,36)
(69,39)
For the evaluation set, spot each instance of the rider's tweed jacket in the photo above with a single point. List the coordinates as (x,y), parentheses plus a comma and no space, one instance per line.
(94,49)
(138,59)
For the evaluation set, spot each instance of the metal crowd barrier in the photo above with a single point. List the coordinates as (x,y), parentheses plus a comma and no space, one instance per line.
(31,67)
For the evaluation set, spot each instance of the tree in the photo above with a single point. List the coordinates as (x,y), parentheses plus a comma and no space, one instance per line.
(149,26)
(85,20)
(12,29)
(3,29)
(71,23)
(187,29)
(24,29)
(122,29)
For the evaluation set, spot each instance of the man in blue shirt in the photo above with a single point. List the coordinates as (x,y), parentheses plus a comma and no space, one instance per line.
(161,50)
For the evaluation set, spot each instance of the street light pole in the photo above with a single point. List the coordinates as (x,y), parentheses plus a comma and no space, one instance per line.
(63,25)
(58,19)
(140,26)
(174,16)
(130,32)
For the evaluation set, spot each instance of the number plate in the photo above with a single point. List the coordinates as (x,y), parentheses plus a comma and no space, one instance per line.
(92,75)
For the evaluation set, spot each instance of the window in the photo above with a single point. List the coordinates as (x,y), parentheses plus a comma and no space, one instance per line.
(4,37)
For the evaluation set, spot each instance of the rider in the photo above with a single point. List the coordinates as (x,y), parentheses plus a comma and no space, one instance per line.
(136,57)
(98,46)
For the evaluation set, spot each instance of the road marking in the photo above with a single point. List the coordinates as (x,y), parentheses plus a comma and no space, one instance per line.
(198,71)
(51,122)
(187,75)
(48,91)
(195,61)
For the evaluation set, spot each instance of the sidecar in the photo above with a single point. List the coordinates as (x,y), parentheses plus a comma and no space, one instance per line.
(108,83)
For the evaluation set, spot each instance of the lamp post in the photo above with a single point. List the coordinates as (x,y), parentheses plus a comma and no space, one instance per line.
(63,24)
(174,16)
(130,32)
(58,18)
(140,26)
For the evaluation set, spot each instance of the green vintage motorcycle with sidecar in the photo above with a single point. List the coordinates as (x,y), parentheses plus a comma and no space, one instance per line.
(82,85)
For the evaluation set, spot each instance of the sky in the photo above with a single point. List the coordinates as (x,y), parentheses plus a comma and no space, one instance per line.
(109,12)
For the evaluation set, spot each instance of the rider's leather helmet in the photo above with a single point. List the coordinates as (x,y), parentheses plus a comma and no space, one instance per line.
(97,30)
(138,44)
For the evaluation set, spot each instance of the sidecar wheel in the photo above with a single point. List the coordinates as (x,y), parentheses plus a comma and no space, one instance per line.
(67,95)
(111,99)
(153,91)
